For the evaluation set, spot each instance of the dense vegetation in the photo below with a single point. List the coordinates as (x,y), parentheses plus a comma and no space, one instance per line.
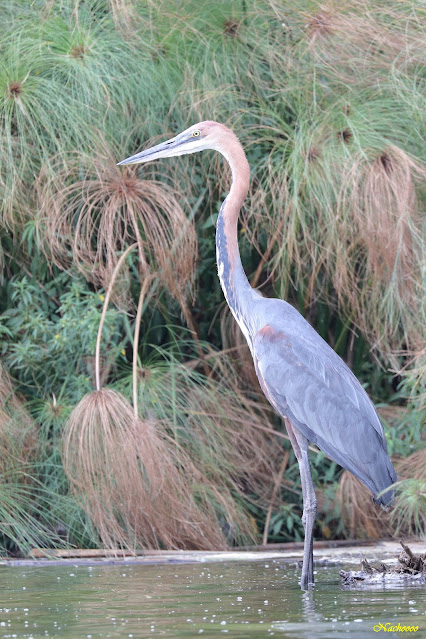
(163,438)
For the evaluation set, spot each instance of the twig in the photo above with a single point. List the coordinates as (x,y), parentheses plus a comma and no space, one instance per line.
(142,294)
(104,310)
(406,548)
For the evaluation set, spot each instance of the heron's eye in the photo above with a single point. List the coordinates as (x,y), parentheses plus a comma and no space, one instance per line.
(195,134)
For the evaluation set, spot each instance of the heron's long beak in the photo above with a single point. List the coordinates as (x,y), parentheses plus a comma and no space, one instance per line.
(163,150)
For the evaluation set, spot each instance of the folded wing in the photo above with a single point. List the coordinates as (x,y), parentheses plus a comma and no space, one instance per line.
(305,380)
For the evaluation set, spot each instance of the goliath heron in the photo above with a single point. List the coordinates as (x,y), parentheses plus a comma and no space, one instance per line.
(302,377)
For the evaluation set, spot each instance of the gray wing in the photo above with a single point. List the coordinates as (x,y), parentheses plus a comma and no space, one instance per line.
(305,380)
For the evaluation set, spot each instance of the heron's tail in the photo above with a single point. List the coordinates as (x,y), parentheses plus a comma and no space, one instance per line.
(383,480)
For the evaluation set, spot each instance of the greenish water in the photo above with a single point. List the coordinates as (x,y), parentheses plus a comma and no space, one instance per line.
(256,599)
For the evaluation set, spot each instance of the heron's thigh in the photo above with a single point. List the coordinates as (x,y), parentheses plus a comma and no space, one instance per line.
(298,441)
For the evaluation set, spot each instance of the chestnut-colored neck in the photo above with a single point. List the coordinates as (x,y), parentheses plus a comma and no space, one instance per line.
(240,169)
(234,282)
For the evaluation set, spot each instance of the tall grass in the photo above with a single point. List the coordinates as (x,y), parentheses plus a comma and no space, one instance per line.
(328,100)
(91,210)
(168,472)
(24,522)
(346,163)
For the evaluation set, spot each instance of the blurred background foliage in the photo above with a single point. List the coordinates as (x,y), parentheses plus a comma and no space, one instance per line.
(328,100)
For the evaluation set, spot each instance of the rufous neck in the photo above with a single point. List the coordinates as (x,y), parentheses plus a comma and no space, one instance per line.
(234,282)
(236,158)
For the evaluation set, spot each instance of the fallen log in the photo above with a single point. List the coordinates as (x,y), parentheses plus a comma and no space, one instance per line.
(411,568)
(82,553)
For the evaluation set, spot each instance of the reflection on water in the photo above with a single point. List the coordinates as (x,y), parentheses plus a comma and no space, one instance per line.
(255,599)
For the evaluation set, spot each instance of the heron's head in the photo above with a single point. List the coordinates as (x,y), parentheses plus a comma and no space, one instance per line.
(201,136)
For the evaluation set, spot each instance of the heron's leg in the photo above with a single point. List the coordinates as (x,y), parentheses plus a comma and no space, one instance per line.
(300,446)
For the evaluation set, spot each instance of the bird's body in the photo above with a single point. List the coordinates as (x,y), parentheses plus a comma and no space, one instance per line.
(300,374)
(307,382)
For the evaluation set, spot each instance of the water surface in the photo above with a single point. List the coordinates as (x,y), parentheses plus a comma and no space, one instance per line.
(250,599)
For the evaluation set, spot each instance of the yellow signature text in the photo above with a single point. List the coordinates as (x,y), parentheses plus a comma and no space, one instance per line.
(387,627)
